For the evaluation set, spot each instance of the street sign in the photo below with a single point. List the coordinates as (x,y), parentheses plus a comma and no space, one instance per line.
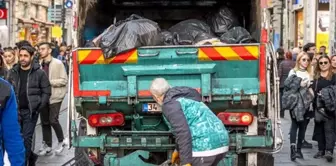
(68,4)
(3,14)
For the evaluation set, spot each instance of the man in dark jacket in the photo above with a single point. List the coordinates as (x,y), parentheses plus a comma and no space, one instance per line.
(10,136)
(32,88)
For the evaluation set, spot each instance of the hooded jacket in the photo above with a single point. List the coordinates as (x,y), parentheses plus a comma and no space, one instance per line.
(10,136)
(198,131)
(295,98)
(38,86)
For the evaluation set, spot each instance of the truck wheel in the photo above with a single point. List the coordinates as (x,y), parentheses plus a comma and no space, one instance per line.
(81,151)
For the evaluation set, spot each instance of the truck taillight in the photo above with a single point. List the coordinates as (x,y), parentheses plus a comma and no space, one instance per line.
(105,120)
(236,119)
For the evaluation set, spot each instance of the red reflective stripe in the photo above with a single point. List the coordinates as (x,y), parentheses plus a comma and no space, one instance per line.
(262,69)
(92,57)
(122,57)
(84,93)
(243,53)
(213,54)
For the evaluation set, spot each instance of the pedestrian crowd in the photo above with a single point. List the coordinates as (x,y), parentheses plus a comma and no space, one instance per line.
(308,91)
(33,83)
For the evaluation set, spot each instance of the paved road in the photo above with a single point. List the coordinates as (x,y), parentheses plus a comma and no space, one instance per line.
(281,159)
(66,155)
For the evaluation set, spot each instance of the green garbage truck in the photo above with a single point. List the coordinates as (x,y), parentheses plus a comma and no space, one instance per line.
(113,119)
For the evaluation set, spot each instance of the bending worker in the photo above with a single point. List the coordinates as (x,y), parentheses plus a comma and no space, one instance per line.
(201,137)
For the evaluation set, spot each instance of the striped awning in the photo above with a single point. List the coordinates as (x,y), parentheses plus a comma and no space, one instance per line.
(323,1)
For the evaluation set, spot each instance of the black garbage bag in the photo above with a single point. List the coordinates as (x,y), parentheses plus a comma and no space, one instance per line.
(128,34)
(167,38)
(222,21)
(236,35)
(190,31)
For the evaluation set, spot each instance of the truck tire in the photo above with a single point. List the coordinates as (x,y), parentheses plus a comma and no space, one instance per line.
(81,151)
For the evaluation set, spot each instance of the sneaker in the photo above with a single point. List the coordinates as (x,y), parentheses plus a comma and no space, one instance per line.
(329,156)
(319,154)
(60,147)
(43,147)
(47,151)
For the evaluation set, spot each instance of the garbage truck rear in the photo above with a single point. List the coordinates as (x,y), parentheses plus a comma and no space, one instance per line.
(119,122)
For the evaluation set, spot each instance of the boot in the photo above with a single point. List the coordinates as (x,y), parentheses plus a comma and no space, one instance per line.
(293,153)
(32,159)
(329,156)
(299,154)
(319,154)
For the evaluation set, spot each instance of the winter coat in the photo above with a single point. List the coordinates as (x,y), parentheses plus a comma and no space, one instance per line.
(38,86)
(295,98)
(198,131)
(284,68)
(327,100)
(10,137)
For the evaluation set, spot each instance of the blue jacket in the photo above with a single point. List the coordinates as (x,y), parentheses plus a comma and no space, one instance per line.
(10,135)
(198,131)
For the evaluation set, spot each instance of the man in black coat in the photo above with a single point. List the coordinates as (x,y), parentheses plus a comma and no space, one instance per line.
(32,89)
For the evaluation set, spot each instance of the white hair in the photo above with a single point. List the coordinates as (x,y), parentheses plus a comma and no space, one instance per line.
(159,87)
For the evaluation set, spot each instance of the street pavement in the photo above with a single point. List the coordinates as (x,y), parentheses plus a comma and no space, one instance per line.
(281,158)
(66,155)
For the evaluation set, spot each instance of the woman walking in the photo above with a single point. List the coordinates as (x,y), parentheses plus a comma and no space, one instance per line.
(9,57)
(333,63)
(324,129)
(284,67)
(297,99)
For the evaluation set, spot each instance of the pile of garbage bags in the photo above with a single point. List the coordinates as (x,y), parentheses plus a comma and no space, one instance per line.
(220,27)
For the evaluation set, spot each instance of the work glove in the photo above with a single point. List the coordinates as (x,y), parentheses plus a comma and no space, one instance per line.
(175,157)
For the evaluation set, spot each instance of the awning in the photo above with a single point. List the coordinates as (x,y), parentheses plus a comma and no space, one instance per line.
(50,24)
(25,21)
(323,1)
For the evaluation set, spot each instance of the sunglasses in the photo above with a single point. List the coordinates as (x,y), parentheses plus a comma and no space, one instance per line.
(323,63)
(305,60)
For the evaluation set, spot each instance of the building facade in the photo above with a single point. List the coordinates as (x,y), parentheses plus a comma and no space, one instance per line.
(30,21)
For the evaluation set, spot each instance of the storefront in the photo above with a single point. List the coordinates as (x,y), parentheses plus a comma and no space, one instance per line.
(34,30)
(322,26)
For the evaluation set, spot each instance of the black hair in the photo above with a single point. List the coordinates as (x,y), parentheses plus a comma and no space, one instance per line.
(308,46)
(29,49)
(23,43)
(2,63)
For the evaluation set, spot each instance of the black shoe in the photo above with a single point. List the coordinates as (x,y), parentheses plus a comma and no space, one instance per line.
(299,154)
(329,156)
(319,154)
(293,153)
(307,145)
(32,159)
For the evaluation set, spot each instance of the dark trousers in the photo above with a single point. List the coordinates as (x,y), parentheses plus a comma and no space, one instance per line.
(293,133)
(28,124)
(324,133)
(305,128)
(282,111)
(49,118)
(208,161)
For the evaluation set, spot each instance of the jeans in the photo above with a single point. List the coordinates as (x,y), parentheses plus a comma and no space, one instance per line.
(282,112)
(49,118)
(325,135)
(293,133)
(28,124)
